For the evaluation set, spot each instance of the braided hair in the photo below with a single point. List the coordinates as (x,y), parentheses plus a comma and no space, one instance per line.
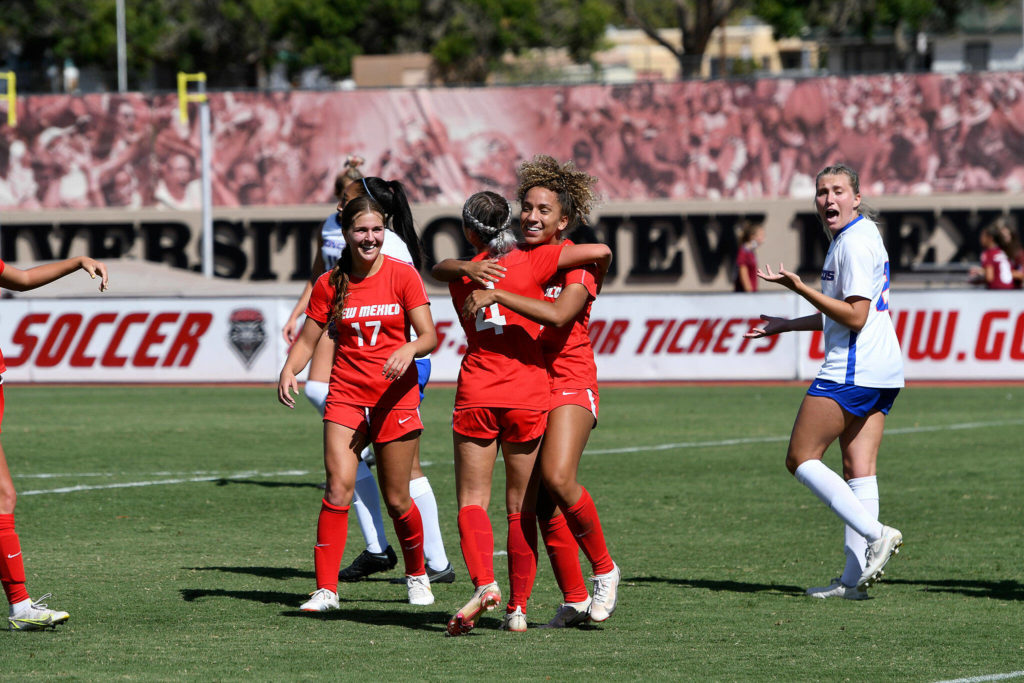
(573,187)
(340,274)
(489,216)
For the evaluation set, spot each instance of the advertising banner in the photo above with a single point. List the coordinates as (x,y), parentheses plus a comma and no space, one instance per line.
(959,335)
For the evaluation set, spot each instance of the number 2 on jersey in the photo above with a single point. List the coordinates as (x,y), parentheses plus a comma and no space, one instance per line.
(493,321)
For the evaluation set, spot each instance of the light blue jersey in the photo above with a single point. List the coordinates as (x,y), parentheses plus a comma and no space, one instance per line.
(858,265)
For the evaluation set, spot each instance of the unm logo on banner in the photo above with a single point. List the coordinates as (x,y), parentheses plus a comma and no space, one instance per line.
(246,333)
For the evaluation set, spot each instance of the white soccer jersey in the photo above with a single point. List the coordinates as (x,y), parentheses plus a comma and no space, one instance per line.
(858,265)
(334,243)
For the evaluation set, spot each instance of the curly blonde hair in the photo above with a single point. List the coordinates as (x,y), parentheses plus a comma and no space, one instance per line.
(574,187)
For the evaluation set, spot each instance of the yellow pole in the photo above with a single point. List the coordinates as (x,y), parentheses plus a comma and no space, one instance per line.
(184,96)
(12,95)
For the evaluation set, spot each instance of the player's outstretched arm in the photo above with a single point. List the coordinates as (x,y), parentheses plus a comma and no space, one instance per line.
(20,280)
(556,313)
(480,272)
(774,325)
(851,312)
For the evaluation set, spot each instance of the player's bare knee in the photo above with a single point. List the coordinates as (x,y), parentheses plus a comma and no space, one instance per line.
(8,499)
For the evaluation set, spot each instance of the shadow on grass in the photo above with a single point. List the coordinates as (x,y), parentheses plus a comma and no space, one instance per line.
(730,586)
(265,597)
(996,590)
(434,620)
(264,572)
(283,573)
(269,484)
(386,616)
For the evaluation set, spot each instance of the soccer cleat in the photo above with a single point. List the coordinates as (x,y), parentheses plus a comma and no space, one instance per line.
(606,593)
(36,616)
(321,600)
(570,614)
(877,554)
(419,590)
(514,621)
(367,563)
(837,589)
(484,598)
(446,575)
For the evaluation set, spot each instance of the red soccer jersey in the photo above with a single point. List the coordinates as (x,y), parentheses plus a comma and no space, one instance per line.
(374,324)
(746,260)
(503,366)
(3,365)
(568,354)
(1001,267)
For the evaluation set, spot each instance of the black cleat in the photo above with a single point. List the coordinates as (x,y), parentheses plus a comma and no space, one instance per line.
(367,563)
(446,575)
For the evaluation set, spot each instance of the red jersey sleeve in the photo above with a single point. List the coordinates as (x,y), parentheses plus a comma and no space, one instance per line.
(544,261)
(321,300)
(583,275)
(411,287)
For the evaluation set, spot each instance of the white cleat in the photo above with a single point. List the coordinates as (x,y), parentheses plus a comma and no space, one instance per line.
(877,554)
(36,616)
(484,598)
(570,614)
(514,621)
(321,600)
(837,589)
(606,593)
(419,590)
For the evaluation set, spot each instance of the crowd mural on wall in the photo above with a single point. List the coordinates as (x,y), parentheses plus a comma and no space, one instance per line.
(914,134)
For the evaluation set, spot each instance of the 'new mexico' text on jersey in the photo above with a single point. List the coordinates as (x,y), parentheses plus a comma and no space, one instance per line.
(503,366)
(374,324)
(858,265)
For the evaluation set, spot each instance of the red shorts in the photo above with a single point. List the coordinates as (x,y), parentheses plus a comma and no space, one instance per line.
(585,398)
(515,425)
(1,400)
(378,426)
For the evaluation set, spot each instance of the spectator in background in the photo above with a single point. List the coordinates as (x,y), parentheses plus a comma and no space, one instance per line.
(996,271)
(1014,250)
(751,237)
(180,187)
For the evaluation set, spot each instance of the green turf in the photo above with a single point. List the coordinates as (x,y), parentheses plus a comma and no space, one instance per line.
(716,541)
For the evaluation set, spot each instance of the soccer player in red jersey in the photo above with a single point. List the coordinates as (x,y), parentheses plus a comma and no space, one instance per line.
(367,302)
(555,198)
(996,270)
(501,400)
(26,614)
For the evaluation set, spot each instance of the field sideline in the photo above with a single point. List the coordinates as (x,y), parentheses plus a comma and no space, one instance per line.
(176,525)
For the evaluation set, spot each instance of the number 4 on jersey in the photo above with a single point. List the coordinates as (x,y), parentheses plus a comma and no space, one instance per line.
(493,321)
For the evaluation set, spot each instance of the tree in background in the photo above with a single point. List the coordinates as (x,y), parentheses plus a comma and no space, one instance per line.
(903,20)
(696,20)
(470,39)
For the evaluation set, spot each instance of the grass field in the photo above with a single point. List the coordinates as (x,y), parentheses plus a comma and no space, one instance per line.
(176,525)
